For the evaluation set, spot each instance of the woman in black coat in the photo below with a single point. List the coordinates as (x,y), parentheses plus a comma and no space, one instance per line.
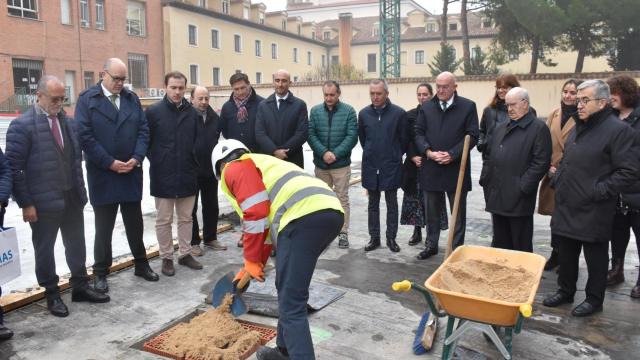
(625,101)
(413,211)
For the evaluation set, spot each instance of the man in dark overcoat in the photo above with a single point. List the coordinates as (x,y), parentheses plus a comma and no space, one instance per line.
(238,114)
(517,159)
(114,136)
(440,130)
(46,162)
(384,139)
(600,161)
(282,124)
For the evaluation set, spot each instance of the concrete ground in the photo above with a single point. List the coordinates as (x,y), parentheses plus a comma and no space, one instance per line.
(369,322)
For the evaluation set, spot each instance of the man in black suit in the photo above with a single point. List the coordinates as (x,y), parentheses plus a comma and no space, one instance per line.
(440,130)
(114,136)
(282,124)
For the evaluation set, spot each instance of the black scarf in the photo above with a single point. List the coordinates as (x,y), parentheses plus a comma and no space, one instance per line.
(567,111)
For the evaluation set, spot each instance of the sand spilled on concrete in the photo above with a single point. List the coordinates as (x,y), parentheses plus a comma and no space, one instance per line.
(212,335)
(490,280)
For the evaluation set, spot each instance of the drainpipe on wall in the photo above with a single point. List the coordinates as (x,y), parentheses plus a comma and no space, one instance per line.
(344,38)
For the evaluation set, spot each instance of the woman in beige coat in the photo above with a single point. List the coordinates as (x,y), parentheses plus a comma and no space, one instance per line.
(560,123)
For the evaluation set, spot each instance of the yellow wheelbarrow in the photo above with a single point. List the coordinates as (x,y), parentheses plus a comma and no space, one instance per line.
(468,312)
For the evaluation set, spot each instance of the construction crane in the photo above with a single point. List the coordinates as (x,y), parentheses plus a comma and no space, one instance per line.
(389,38)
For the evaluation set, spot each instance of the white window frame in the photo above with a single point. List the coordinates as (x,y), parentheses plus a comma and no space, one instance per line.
(261,18)
(65,12)
(85,13)
(245,12)
(100,13)
(142,10)
(309,57)
(274,56)
(226,6)
(415,57)
(259,77)
(257,44)
(197,67)
(453,23)
(213,78)
(132,57)
(326,35)
(218,39)
(375,63)
(195,27)
(22,8)
(238,49)
(295,55)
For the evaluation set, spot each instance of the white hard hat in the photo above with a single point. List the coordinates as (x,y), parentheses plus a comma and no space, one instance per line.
(222,150)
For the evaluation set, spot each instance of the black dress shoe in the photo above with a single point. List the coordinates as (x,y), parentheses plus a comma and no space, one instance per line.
(557,299)
(585,309)
(267,353)
(372,245)
(57,307)
(416,238)
(100,284)
(89,295)
(5,334)
(393,245)
(427,253)
(146,273)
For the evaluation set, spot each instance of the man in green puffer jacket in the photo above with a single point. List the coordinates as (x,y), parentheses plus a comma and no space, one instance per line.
(333,132)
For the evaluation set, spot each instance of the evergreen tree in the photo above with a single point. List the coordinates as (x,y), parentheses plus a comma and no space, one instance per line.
(480,63)
(444,60)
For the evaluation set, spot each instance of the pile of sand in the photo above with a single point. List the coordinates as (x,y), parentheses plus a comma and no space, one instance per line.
(487,279)
(212,335)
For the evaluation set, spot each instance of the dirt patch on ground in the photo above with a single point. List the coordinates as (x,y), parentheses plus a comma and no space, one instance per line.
(491,280)
(212,335)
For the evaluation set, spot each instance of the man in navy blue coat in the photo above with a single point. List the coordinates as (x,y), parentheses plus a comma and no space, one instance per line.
(114,135)
(441,128)
(45,158)
(383,136)
(5,191)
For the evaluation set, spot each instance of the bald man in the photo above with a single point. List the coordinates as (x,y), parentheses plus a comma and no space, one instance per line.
(207,139)
(282,125)
(114,136)
(519,157)
(441,127)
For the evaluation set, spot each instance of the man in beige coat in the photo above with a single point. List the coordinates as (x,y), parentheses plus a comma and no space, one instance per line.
(560,122)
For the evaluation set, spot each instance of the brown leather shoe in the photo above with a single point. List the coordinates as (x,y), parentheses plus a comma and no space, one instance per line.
(615,276)
(190,262)
(167,267)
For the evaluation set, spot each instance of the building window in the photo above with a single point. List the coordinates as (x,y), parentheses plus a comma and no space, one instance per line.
(453,26)
(138,74)
(295,55)
(274,50)
(26,74)
(202,3)
(100,14)
(136,23)
(85,19)
(371,63)
(295,79)
(513,56)
(193,74)
(431,27)
(313,35)
(376,30)
(258,78)
(486,23)
(23,8)
(215,39)
(225,6)
(65,12)
(70,86)
(454,53)
(245,13)
(216,76)
(475,52)
(308,57)
(237,43)
(284,25)
(324,60)
(326,35)
(261,18)
(335,59)
(238,71)
(258,48)
(299,29)
(88,79)
(419,57)
(193,35)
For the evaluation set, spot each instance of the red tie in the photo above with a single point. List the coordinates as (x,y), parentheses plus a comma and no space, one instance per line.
(55,129)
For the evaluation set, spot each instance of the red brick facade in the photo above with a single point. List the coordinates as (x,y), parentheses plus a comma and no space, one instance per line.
(73,48)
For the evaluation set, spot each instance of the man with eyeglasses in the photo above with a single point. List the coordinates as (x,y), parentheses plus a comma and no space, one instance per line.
(114,136)
(45,159)
(518,156)
(600,160)
(441,127)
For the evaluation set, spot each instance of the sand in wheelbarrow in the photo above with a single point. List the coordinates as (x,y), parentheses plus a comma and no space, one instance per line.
(485,279)
(212,335)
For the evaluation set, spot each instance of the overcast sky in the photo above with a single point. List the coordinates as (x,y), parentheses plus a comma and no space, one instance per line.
(434,6)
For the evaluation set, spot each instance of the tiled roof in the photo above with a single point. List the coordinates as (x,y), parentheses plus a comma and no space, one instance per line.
(363,29)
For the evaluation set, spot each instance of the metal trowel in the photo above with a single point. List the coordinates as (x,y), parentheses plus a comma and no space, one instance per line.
(226,286)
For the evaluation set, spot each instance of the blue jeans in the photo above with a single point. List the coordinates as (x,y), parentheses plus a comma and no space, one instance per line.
(300,244)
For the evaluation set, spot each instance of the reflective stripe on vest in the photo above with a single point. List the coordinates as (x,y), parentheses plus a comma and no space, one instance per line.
(283,180)
(255,226)
(254,199)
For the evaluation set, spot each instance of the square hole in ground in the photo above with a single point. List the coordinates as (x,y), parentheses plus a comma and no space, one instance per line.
(153,342)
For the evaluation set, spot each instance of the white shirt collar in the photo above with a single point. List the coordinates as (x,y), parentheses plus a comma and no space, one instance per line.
(449,102)
(106,92)
(283,97)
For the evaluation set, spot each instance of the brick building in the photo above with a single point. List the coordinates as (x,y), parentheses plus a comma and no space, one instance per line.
(71,39)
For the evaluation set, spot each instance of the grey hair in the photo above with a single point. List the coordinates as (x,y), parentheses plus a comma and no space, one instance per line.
(380,81)
(111,61)
(42,83)
(602,90)
(520,91)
